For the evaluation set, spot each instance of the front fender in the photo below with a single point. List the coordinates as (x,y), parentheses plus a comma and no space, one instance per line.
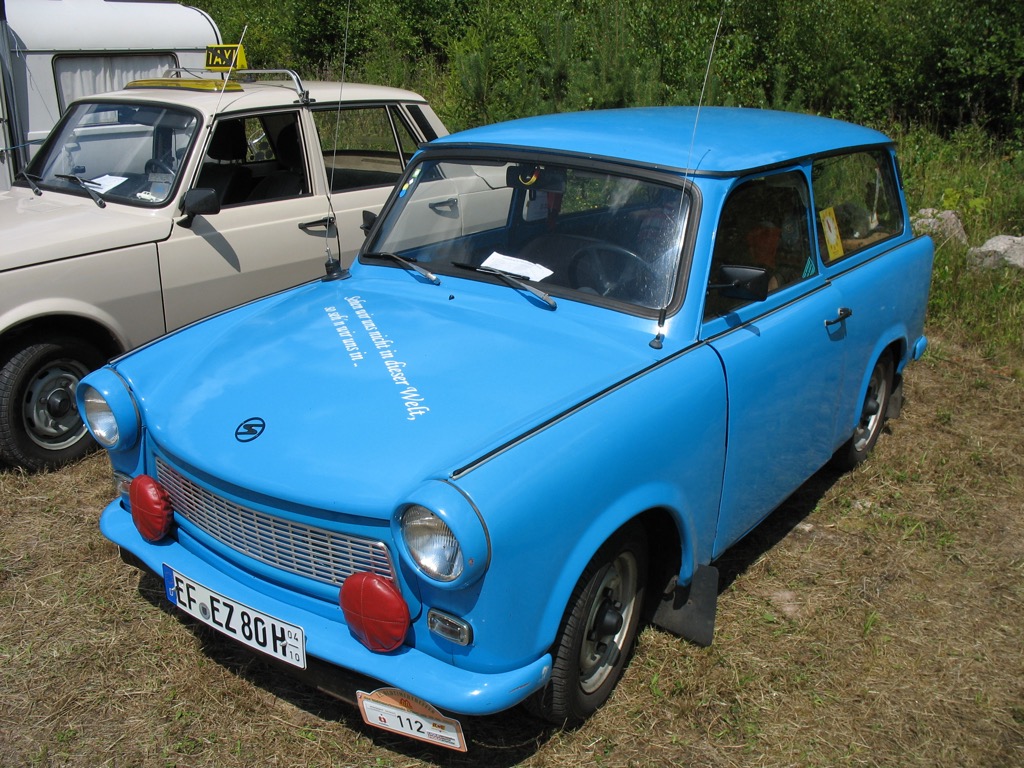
(553,499)
(117,290)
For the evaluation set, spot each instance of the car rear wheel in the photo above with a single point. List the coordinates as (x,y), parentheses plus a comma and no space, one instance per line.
(597,632)
(872,415)
(40,426)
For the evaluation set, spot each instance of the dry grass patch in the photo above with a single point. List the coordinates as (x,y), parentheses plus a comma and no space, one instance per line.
(875,619)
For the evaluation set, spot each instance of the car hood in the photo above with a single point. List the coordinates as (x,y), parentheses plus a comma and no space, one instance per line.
(53,226)
(350,394)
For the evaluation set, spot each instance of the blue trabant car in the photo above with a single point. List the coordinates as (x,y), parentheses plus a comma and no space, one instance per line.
(577,358)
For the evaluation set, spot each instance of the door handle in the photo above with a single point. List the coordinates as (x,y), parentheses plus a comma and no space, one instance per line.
(448,208)
(844,312)
(326,221)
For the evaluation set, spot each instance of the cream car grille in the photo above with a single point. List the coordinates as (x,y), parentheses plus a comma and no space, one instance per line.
(315,553)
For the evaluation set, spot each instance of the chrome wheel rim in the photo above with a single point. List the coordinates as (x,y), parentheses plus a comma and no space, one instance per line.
(608,621)
(50,412)
(871,413)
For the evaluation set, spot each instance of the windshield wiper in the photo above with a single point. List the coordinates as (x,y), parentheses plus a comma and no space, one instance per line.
(516,281)
(407,263)
(84,185)
(31,182)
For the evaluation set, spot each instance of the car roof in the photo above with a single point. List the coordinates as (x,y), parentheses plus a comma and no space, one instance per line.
(726,141)
(262,94)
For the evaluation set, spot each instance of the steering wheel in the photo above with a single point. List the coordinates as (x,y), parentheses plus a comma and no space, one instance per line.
(608,270)
(153,165)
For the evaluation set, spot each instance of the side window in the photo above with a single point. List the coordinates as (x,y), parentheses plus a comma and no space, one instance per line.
(856,202)
(255,159)
(764,223)
(359,148)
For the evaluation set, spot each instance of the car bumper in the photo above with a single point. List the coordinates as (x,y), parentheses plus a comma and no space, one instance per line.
(336,662)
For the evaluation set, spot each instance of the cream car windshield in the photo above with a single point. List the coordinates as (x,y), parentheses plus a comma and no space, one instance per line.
(571,230)
(124,153)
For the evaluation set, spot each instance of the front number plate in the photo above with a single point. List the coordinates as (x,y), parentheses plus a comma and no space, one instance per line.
(248,626)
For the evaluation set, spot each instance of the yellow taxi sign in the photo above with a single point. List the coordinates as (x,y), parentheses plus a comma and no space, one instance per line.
(224,58)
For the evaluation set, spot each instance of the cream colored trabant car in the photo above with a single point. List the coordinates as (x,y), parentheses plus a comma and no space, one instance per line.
(154,206)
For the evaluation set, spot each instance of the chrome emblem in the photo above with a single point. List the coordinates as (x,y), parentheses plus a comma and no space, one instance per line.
(250,429)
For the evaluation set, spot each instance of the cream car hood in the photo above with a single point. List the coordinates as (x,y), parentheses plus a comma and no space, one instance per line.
(53,226)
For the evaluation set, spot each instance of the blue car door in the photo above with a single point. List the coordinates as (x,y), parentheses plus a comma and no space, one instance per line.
(783,356)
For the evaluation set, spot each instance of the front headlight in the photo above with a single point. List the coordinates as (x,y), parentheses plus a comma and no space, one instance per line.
(109,410)
(432,544)
(99,417)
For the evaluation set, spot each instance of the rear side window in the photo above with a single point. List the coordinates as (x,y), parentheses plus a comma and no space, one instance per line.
(362,147)
(856,202)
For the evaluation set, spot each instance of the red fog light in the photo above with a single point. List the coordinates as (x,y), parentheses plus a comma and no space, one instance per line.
(375,611)
(151,508)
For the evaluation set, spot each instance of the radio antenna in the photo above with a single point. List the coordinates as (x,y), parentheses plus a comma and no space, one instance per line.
(656,342)
(332,266)
(231,68)
(703,88)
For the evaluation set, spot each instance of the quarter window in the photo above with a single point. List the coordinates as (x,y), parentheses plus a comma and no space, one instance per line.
(855,202)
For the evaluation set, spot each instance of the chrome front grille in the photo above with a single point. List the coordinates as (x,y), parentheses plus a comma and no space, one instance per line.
(315,553)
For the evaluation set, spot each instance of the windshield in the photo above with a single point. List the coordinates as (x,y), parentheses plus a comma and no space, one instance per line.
(570,230)
(125,153)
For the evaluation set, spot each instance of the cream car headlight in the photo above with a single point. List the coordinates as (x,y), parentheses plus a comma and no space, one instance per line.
(109,410)
(431,543)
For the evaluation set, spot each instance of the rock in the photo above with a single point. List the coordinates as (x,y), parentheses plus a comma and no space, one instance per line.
(999,251)
(943,225)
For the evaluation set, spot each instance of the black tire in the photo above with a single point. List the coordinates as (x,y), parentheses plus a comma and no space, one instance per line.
(40,427)
(597,633)
(872,416)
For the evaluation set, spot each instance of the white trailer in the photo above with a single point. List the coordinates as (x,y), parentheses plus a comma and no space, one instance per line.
(53,52)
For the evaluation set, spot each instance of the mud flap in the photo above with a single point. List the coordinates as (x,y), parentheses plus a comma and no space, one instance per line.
(895,400)
(689,612)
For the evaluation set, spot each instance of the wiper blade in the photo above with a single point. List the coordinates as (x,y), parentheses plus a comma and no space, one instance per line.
(516,281)
(31,182)
(407,263)
(84,185)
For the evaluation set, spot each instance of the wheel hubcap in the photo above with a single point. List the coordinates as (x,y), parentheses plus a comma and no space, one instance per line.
(609,619)
(59,403)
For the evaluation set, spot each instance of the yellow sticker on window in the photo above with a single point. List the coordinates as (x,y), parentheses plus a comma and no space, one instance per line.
(831,228)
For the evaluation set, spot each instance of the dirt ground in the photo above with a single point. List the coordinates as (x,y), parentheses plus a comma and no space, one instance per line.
(876,619)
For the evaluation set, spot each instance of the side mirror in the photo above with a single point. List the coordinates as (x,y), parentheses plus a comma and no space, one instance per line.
(369,219)
(743,283)
(198,202)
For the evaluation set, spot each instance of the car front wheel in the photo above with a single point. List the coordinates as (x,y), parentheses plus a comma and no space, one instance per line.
(597,632)
(40,426)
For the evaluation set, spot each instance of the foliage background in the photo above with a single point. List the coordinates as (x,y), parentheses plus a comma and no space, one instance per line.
(942,64)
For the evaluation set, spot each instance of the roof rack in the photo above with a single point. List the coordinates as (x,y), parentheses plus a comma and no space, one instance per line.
(302,93)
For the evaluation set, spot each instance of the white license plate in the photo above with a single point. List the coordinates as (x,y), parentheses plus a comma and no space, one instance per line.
(248,626)
(400,712)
